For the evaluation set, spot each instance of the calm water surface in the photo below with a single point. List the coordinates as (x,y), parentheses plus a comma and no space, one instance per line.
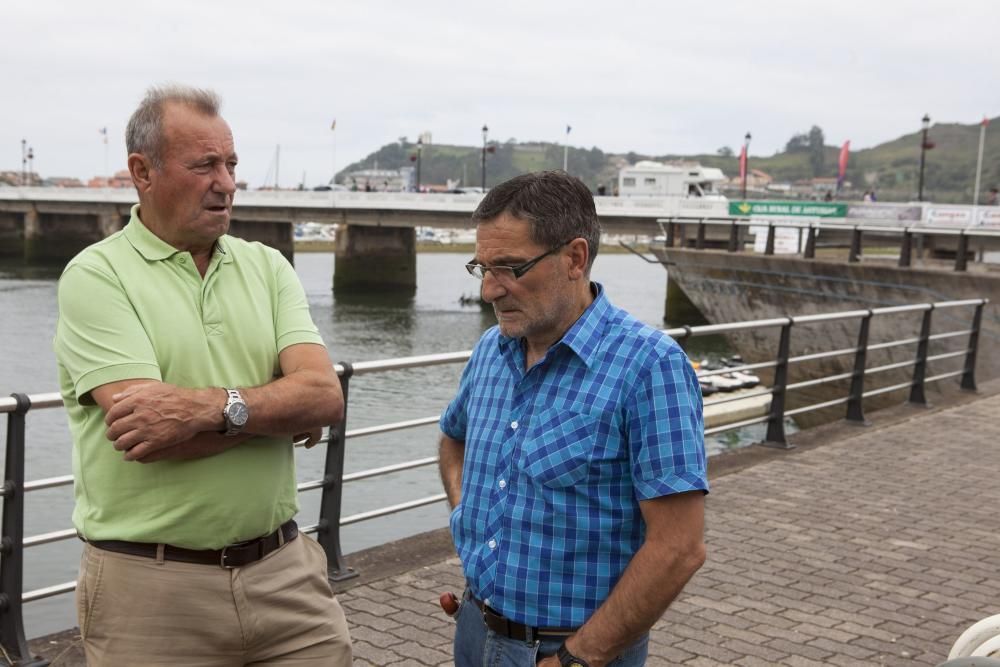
(356,328)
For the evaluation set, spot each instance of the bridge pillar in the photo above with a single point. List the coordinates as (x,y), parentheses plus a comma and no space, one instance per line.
(377,258)
(58,237)
(275,233)
(11,234)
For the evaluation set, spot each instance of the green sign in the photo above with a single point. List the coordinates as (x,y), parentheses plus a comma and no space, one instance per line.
(807,209)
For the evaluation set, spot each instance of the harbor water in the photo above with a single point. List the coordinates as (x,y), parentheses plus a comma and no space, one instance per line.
(356,327)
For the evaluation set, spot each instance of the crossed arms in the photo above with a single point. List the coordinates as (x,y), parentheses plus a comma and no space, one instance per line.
(153,421)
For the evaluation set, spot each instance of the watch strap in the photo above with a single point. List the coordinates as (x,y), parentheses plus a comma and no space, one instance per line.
(567,659)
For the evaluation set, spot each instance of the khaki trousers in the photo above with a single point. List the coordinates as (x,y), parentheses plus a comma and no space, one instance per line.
(136,611)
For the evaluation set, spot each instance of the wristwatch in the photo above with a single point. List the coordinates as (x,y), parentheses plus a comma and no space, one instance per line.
(235,413)
(567,659)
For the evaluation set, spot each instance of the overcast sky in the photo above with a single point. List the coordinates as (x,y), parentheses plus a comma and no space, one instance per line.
(654,77)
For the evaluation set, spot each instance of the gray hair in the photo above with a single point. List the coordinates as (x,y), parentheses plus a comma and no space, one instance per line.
(144,133)
(558,207)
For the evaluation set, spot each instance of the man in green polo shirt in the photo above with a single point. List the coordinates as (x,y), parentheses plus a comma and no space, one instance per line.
(188,363)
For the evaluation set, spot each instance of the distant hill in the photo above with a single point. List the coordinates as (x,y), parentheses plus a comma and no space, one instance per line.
(891,168)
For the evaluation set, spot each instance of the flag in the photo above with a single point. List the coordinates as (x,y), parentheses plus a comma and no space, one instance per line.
(743,164)
(333,125)
(986,121)
(845,152)
(104,131)
(568,128)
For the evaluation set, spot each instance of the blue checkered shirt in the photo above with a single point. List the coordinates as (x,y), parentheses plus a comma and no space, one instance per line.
(557,459)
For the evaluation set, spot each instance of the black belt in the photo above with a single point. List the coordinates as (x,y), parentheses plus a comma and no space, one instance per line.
(513,630)
(234,555)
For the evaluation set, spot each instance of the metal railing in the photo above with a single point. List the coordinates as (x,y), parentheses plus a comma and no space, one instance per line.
(812,229)
(327,529)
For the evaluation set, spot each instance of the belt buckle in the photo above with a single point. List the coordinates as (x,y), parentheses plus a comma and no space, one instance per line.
(222,558)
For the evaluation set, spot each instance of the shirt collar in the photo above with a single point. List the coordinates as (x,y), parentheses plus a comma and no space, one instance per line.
(585,334)
(153,248)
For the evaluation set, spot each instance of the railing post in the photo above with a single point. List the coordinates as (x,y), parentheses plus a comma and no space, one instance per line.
(920,367)
(855,407)
(734,237)
(906,249)
(12,542)
(810,252)
(328,531)
(670,234)
(699,243)
(776,418)
(769,247)
(969,371)
(961,263)
(855,255)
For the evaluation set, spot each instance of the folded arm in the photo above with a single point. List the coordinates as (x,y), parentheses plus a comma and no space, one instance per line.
(151,420)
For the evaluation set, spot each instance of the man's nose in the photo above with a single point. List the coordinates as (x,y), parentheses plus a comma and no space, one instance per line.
(225,182)
(492,288)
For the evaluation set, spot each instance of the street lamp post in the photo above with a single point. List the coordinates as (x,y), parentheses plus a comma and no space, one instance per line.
(420,149)
(24,162)
(926,121)
(31,164)
(745,167)
(486,131)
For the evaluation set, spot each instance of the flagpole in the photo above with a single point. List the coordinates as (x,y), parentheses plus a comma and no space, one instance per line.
(566,150)
(333,131)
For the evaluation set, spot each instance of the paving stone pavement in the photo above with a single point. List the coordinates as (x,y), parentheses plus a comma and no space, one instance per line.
(878,549)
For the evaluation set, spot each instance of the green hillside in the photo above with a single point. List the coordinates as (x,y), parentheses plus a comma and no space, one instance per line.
(891,168)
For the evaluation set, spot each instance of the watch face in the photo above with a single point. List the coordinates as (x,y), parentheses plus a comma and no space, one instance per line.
(238,414)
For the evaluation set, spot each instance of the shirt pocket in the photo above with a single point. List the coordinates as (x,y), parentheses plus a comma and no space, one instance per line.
(558,447)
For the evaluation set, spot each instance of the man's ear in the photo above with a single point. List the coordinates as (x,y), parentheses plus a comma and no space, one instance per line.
(139,167)
(579,254)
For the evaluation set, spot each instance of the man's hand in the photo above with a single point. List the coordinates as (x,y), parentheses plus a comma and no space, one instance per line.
(151,417)
(309,438)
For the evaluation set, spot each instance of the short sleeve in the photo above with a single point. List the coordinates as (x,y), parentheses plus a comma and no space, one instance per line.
(455,421)
(99,338)
(666,428)
(292,322)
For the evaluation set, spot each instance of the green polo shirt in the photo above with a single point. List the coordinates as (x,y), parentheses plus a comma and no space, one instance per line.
(132,306)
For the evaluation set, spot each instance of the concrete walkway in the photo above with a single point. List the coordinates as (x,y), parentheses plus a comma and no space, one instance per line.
(862,546)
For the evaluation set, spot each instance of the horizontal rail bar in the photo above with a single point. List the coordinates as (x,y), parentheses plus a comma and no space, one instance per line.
(822,355)
(893,343)
(950,334)
(886,390)
(38,401)
(734,369)
(943,376)
(816,406)
(48,483)
(947,355)
(392,509)
(736,425)
(959,304)
(363,367)
(889,367)
(386,470)
(49,591)
(310,486)
(738,397)
(395,426)
(822,380)
(46,538)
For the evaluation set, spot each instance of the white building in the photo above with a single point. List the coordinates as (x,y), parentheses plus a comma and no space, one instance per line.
(381,180)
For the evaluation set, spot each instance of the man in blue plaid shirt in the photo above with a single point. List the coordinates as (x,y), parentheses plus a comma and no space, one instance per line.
(573,454)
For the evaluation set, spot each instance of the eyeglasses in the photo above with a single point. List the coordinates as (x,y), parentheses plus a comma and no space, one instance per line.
(510,272)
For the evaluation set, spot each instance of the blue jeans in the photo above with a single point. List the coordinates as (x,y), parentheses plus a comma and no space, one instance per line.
(478,646)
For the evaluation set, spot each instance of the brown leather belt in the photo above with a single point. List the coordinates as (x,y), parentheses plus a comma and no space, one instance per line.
(512,630)
(234,555)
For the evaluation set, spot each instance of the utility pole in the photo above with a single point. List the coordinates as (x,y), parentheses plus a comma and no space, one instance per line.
(486,131)
(926,123)
(24,162)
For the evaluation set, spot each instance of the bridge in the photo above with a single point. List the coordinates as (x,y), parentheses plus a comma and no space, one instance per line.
(376,243)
